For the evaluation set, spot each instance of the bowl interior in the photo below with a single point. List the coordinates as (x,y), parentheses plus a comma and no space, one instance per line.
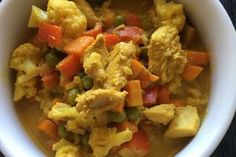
(217,34)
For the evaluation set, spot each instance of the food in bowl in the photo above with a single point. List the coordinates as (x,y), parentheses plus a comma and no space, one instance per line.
(111,78)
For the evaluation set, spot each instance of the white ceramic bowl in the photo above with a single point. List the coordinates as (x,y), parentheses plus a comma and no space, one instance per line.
(217,34)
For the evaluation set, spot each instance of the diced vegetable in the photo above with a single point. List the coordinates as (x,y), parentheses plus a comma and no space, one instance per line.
(136,67)
(69,66)
(111,40)
(130,33)
(50,34)
(117,117)
(146,78)
(48,127)
(142,74)
(139,143)
(37,17)
(134,97)
(62,132)
(52,58)
(72,94)
(87,82)
(189,34)
(94,32)
(119,20)
(127,125)
(119,108)
(133,19)
(150,97)
(79,45)
(197,57)
(50,81)
(163,96)
(191,72)
(133,114)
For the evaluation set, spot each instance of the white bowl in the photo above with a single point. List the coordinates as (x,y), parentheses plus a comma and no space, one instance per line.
(217,34)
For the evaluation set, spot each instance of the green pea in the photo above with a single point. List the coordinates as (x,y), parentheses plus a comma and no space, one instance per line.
(72,94)
(119,20)
(133,114)
(52,58)
(81,74)
(62,132)
(85,139)
(117,117)
(87,82)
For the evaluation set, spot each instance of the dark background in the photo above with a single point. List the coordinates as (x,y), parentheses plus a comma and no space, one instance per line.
(227,148)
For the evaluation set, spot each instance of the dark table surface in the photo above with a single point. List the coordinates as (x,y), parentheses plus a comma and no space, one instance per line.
(227,147)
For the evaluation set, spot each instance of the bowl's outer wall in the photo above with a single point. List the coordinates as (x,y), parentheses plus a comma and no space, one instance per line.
(217,33)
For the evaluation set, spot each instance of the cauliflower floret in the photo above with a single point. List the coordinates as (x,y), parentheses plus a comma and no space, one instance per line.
(60,144)
(25,58)
(45,99)
(24,87)
(103,139)
(66,14)
(170,13)
(166,57)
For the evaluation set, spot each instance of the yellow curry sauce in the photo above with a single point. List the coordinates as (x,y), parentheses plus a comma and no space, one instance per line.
(111,78)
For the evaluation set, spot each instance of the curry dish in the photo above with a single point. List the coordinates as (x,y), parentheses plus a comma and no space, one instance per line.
(111,78)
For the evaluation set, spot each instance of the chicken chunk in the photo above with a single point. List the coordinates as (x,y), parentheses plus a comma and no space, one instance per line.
(66,14)
(87,10)
(163,113)
(119,69)
(166,57)
(185,123)
(95,60)
(99,100)
(170,14)
(103,139)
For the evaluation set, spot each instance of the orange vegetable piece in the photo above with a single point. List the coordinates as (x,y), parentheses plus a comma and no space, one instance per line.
(191,72)
(163,96)
(197,58)
(142,74)
(111,40)
(70,66)
(94,32)
(127,125)
(134,97)
(50,81)
(50,34)
(79,45)
(48,127)
(150,97)
(139,143)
